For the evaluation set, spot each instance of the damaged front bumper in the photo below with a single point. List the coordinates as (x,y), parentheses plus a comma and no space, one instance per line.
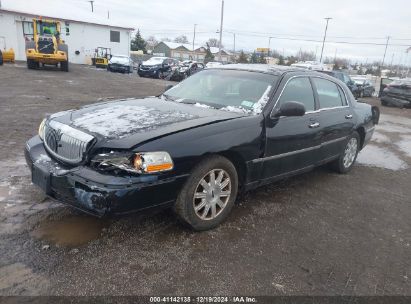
(96,193)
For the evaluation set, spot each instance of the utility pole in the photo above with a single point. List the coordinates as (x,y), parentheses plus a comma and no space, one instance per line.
(234,43)
(385,52)
(108,14)
(194,36)
(221,30)
(269,45)
(392,60)
(325,36)
(92,5)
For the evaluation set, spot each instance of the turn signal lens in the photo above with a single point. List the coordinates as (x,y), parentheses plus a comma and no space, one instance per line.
(152,162)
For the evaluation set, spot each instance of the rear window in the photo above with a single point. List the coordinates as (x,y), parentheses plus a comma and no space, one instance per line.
(328,93)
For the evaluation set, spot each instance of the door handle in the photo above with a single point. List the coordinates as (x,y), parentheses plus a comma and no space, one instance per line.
(314,125)
(348,116)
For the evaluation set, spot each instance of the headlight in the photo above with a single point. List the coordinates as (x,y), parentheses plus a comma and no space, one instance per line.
(145,162)
(152,162)
(41,128)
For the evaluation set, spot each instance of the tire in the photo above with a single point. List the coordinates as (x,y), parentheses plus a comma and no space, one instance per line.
(384,103)
(1,58)
(31,64)
(211,202)
(64,66)
(346,160)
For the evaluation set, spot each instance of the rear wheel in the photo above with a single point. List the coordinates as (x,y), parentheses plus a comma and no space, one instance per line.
(31,64)
(209,194)
(348,156)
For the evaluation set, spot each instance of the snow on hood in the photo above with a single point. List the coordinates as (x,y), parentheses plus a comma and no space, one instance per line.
(118,121)
(120,60)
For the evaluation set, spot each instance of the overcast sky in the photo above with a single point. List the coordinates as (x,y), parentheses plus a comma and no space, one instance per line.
(254,21)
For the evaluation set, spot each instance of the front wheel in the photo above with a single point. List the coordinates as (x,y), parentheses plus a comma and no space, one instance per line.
(64,66)
(346,160)
(209,194)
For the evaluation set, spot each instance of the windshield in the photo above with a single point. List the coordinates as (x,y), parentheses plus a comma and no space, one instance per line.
(155,60)
(232,90)
(46,28)
(119,59)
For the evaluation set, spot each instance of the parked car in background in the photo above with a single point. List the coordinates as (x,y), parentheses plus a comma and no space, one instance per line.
(365,87)
(346,79)
(223,130)
(186,69)
(213,64)
(397,93)
(385,81)
(309,65)
(120,63)
(155,66)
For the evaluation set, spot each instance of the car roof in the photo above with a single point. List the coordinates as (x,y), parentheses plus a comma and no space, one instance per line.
(262,68)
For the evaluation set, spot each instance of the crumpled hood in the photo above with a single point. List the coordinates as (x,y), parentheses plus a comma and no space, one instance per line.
(126,123)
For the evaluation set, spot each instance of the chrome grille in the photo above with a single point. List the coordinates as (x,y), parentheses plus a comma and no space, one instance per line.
(66,143)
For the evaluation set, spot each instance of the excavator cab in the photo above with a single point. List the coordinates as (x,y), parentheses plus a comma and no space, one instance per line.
(102,55)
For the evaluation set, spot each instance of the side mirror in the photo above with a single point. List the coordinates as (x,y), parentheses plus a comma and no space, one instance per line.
(291,108)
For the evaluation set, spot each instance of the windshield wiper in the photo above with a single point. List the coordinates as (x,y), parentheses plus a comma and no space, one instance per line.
(167,97)
(187,101)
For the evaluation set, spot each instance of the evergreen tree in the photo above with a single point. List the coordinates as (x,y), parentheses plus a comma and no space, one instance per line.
(208,56)
(261,59)
(253,58)
(242,58)
(138,43)
(281,60)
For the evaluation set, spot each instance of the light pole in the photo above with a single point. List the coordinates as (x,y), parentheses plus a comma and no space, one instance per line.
(269,43)
(221,30)
(385,52)
(194,37)
(325,36)
(233,37)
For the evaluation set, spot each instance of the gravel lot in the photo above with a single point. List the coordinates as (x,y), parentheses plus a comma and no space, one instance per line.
(316,234)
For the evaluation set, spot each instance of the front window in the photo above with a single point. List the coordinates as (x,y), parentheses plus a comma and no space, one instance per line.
(225,89)
(299,89)
(46,28)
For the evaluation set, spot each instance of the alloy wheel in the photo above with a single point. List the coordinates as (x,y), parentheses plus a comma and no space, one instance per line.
(350,152)
(212,194)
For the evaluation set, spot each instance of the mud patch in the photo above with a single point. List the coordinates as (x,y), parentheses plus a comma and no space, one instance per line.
(72,231)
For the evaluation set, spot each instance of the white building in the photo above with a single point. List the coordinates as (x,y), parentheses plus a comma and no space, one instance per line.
(82,37)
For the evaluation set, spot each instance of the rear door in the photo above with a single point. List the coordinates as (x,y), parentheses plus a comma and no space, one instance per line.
(292,142)
(335,117)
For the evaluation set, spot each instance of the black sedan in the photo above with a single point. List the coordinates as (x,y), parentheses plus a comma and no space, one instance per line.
(223,130)
(397,93)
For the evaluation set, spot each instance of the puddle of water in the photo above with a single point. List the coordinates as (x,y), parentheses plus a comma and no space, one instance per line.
(71,231)
(380,157)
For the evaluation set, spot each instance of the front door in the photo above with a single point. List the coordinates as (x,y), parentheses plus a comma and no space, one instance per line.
(292,142)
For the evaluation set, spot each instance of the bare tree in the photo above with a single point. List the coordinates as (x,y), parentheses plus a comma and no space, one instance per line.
(213,42)
(305,56)
(181,39)
(166,39)
(151,42)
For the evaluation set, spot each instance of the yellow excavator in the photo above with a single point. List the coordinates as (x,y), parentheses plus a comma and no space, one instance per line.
(46,47)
